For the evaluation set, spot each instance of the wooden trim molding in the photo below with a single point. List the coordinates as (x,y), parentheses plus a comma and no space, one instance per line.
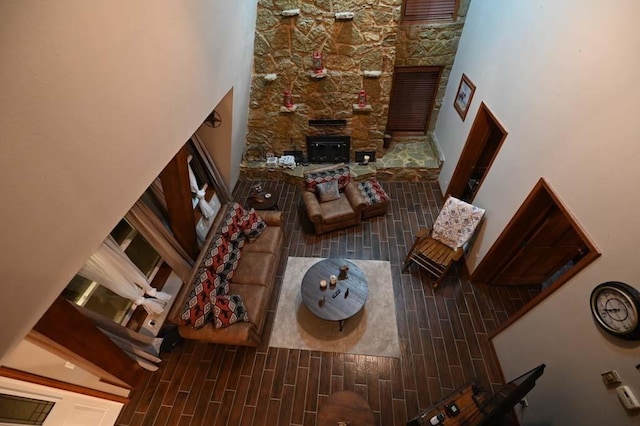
(64,331)
(12,373)
(546,292)
(177,193)
(214,173)
(502,249)
(474,149)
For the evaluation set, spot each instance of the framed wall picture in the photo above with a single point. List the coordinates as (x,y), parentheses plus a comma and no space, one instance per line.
(464,95)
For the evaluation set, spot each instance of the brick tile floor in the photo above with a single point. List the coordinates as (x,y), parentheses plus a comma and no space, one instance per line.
(443,337)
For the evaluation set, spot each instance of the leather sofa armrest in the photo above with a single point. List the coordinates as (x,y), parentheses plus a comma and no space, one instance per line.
(271,217)
(354,195)
(312,205)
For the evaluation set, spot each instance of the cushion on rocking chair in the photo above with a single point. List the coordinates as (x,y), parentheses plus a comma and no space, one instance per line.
(456,222)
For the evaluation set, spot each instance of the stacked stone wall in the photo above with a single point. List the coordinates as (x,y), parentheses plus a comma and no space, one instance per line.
(433,44)
(373,40)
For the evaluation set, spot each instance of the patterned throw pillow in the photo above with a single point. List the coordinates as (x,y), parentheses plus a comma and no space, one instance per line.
(197,309)
(253,225)
(373,191)
(215,285)
(230,261)
(328,191)
(218,253)
(232,225)
(228,310)
(341,174)
(456,222)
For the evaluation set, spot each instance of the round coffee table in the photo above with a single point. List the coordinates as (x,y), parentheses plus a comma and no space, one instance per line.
(334,302)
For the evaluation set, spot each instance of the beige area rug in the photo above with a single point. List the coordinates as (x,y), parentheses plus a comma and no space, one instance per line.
(372,331)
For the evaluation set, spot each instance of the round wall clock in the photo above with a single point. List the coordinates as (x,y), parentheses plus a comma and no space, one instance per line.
(616,308)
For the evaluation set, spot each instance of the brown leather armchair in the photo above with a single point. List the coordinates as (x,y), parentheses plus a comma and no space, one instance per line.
(340,213)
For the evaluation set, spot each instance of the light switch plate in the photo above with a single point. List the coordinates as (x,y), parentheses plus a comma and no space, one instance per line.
(627,397)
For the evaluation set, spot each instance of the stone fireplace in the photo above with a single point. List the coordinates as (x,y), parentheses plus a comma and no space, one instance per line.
(328,149)
(359,52)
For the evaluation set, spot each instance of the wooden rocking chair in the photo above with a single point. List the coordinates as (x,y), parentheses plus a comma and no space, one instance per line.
(437,248)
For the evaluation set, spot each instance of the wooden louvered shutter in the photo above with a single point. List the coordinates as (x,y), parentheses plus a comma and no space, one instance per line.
(414,90)
(429,10)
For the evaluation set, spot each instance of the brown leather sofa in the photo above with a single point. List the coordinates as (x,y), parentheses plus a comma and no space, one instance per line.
(340,213)
(253,279)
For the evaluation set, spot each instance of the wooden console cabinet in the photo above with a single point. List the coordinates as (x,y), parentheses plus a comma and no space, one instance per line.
(469,413)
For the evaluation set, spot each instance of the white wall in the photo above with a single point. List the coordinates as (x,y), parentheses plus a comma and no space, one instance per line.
(95,98)
(70,408)
(562,77)
(30,357)
(217,140)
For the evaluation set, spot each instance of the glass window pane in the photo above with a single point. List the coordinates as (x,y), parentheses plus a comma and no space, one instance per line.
(108,304)
(93,296)
(23,411)
(121,231)
(77,289)
(143,255)
(99,299)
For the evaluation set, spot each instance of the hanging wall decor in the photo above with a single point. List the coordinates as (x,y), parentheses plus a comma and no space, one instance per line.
(464,95)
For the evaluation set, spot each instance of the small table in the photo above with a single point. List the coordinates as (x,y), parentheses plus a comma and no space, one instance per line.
(330,303)
(345,406)
(265,200)
(467,401)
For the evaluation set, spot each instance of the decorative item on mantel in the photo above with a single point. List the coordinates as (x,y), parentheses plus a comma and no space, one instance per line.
(287,161)
(319,70)
(362,98)
(270,77)
(287,102)
(362,105)
(287,99)
(318,64)
(272,163)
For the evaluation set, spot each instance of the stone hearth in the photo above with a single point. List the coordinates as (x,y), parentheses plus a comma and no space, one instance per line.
(414,161)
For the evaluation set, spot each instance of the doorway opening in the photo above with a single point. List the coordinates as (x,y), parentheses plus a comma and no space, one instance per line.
(543,244)
(481,148)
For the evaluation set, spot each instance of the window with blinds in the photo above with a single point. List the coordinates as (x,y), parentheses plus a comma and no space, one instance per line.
(429,10)
(412,97)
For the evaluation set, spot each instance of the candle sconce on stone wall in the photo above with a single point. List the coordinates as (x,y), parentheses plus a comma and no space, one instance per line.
(372,74)
(317,66)
(362,105)
(290,12)
(362,109)
(344,16)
